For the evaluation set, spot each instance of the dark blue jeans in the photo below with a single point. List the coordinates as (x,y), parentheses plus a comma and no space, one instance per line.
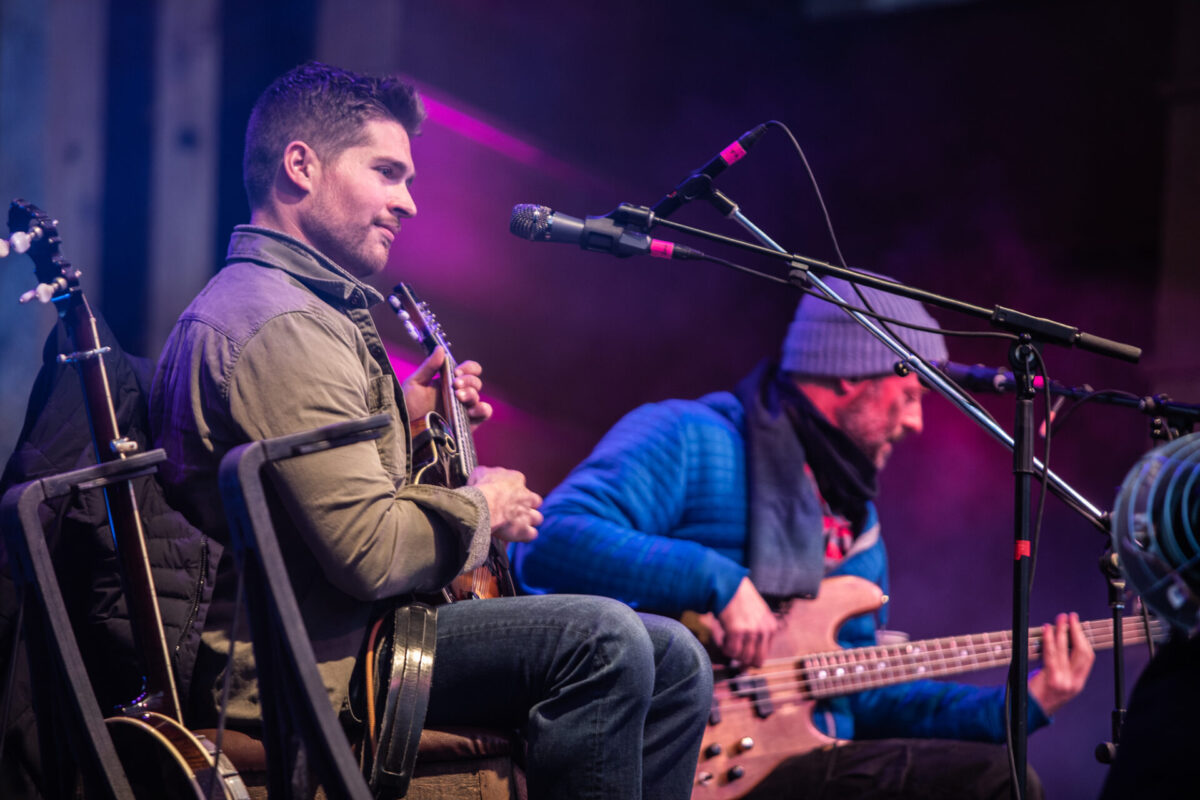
(612,703)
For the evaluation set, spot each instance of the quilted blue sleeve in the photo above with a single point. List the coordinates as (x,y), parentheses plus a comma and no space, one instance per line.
(622,523)
(936,710)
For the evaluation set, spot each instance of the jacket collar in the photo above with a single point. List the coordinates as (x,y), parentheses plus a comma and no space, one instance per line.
(270,248)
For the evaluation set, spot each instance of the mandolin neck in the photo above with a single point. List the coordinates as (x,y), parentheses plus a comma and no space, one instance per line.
(460,424)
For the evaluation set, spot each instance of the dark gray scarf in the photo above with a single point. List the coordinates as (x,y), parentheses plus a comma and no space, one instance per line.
(785,542)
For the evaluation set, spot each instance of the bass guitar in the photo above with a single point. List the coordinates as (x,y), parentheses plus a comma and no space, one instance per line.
(762,716)
(444,450)
(160,756)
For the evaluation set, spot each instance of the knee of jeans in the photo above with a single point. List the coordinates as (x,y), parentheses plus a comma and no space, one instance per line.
(702,664)
(625,639)
(680,655)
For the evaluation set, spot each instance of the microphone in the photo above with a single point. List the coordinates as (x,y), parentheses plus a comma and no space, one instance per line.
(700,182)
(980,378)
(597,234)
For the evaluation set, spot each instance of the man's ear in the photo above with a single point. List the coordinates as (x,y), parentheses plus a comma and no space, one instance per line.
(300,165)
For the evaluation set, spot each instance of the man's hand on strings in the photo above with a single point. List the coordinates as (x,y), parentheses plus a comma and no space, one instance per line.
(1067,658)
(744,628)
(512,505)
(422,393)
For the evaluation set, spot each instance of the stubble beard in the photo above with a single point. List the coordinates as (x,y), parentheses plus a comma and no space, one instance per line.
(872,436)
(354,253)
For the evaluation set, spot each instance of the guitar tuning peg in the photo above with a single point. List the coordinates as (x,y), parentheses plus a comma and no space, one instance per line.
(43,292)
(412,330)
(4,248)
(20,241)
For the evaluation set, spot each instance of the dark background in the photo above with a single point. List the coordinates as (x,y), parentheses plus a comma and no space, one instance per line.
(1002,153)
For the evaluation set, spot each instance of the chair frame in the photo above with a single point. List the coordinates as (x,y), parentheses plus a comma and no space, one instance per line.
(295,704)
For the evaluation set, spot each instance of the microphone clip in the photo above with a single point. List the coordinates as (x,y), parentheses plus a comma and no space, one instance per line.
(602,235)
(639,217)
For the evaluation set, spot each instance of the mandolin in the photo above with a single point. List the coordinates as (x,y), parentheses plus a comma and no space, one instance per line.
(444,451)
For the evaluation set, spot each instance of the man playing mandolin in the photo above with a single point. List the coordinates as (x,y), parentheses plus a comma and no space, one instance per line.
(709,505)
(611,703)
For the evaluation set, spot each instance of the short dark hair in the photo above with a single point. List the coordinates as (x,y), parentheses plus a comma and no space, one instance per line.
(324,107)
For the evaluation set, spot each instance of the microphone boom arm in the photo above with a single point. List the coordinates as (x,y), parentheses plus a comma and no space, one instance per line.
(806,271)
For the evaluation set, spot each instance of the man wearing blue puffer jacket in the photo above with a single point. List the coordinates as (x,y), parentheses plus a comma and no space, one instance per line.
(733,503)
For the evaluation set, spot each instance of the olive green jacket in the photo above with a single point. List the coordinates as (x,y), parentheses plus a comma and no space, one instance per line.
(281,341)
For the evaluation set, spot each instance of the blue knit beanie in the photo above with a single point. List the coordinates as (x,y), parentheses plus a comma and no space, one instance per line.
(823,340)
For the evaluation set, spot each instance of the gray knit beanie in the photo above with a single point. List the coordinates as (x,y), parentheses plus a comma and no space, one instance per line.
(823,340)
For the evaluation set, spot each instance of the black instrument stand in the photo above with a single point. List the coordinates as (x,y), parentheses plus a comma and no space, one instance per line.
(1106,752)
(73,737)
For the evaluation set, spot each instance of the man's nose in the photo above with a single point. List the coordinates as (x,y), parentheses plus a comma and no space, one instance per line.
(402,204)
(913,421)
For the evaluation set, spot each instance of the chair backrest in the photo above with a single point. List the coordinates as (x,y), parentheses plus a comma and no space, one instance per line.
(296,709)
(451,764)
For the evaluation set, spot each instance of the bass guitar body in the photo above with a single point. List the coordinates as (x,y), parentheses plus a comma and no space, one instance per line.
(751,729)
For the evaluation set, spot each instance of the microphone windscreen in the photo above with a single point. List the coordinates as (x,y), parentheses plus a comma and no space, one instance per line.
(530,221)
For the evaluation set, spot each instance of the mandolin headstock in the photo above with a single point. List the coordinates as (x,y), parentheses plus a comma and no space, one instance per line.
(419,321)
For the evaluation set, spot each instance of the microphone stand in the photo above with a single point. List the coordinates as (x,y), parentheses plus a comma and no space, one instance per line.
(1032,333)
(1106,752)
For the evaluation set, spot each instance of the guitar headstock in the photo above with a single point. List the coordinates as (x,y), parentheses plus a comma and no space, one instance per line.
(419,320)
(36,232)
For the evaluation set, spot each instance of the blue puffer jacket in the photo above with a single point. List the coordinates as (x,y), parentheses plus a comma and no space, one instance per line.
(656,516)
